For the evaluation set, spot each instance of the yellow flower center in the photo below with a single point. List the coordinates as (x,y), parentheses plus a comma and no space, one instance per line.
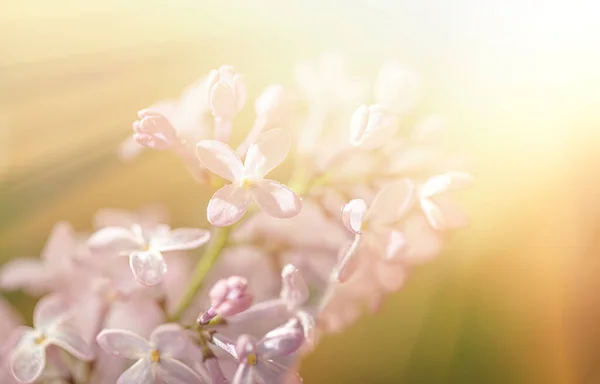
(247,183)
(155,355)
(40,339)
(252,358)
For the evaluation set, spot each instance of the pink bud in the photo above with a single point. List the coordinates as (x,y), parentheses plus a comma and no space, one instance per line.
(228,297)
(226,92)
(372,127)
(154,131)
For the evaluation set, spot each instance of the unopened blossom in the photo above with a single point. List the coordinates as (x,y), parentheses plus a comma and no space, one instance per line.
(227,92)
(230,203)
(154,130)
(145,249)
(50,321)
(397,88)
(158,359)
(372,127)
(374,226)
(256,364)
(228,297)
(442,213)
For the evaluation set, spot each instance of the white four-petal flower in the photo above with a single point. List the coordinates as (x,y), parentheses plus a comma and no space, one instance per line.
(230,203)
(145,249)
(50,318)
(157,358)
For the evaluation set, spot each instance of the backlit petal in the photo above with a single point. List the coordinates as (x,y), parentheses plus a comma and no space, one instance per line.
(138,373)
(391,202)
(220,159)
(28,361)
(114,241)
(122,343)
(148,267)
(267,152)
(180,239)
(276,199)
(173,371)
(353,214)
(228,205)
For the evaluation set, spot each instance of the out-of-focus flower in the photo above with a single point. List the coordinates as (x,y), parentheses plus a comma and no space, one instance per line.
(372,127)
(52,273)
(145,249)
(230,203)
(50,318)
(147,217)
(153,130)
(227,92)
(374,227)
(256,358)
(442,213)
(158,359)
(397,88)
(272,103)
(228,297)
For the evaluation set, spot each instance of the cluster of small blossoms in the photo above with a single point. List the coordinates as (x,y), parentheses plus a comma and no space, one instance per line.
(285,261)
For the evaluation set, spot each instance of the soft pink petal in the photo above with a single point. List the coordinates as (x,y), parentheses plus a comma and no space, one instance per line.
(271,372)
(267,152)
(294,290)
(171,340)
(126,315)
(423,243)
(122,343)
(60,244)
(227,206)
(138,373)
(353,214)
(393,242)
(28,361)
(454,216)
(114,241)
(433,213)
(372,127)
(223,100)
(214,371)
(28,273)
(348,260)
(180,239)
(282,341)
(220,159)
(392,202)
(391,276)
(276,199)
(49,310)
(308,326)
(173,371)
(67,339)
(243,375)
(448,181)
(148,267)
(240,91)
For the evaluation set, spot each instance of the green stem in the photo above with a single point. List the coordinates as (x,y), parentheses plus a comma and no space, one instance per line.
(207,260)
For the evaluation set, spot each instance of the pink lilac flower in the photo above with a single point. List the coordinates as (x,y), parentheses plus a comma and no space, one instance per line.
(154,131)
(228,297)
(54,271)
(227,96)
(442,213)
(372,127)
(158,358)
(374,227)
(256,358)
(145,249)
(50,319)
(147,217)
(9,321)
(230,203)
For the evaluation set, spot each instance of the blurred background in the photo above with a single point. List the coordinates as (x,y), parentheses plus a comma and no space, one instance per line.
(514,299)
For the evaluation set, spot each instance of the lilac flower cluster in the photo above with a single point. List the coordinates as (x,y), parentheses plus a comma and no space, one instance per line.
(285,261)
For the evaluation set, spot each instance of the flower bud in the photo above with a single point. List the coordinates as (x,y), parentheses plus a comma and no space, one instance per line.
(154,131)
(294,290)
(228,297)
(372,127)
(226,92)
(284,340)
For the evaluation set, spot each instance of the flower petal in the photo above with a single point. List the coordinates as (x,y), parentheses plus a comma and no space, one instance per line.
(173,371)
(60,244)
(220,159)
(392,202)
(223,100)
(423,242)
(243,375)
(353,214)
(114,241)
(25,273)
(148,267)
(282,341)
(170,340)
(227,206)
(294,290)
(49,310)
(393,242)
(276,199)
(122,343)
(28,361)
(348,260)
(267,152)
(71,342)
(391,276)
(308,326)
(180,239)
(448,181)
(271,372)
(138,373)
